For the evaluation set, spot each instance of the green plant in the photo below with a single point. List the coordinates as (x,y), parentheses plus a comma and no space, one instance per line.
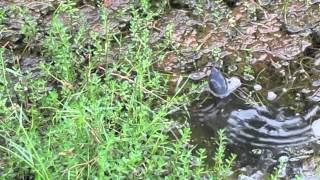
(216,53)
(81,116)
(278,170)
(285,9)
(248,70)
(27,153)
(29,28)
(4,98)
(2,15)
(58,45)
(169,35)
(223,165)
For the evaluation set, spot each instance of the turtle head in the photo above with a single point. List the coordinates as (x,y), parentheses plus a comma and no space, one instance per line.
(220,86)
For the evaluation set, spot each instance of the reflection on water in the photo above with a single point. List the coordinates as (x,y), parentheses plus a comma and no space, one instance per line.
(258,134)
(261,128)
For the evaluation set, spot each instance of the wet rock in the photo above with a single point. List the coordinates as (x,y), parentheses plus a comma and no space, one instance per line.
(31,65)
(285,63)
(301,17)
(305,91)
(256,175)
(185,38)
(12,31)
(315,36)
(315,97)
(197,76)
(232,68)
(257,87)
(41,7)
(119,17)
(265,2)
(243,177)
(269,40)
(248,77)
(291,29)
(11,36)
(301,154)
(316,83)
(91,14)
(276,65)
(309,168)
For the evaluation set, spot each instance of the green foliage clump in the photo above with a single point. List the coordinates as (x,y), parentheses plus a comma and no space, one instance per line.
(83,117)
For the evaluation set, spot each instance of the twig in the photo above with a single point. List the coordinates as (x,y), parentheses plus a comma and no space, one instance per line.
(6,44)
(81,164)
(204,40)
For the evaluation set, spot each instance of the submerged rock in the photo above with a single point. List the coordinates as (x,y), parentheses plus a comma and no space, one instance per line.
(257,87)
(256,175)
(315,97)
(316,83)
(248,77)
(271,96)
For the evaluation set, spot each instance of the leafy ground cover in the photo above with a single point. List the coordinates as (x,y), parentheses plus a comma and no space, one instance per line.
(80,111)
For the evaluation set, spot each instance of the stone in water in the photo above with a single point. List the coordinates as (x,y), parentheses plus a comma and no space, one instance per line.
(257,87)
(271,96)
(316,83)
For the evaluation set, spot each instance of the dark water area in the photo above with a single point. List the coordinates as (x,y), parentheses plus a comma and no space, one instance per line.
(262,129)
(259,135)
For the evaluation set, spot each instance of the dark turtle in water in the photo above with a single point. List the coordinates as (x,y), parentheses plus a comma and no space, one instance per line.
(274,131)
(259,126)
(220,86)
(261,136)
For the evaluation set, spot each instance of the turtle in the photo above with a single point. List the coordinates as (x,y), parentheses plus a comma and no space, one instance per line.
(259,127)
(221,86)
